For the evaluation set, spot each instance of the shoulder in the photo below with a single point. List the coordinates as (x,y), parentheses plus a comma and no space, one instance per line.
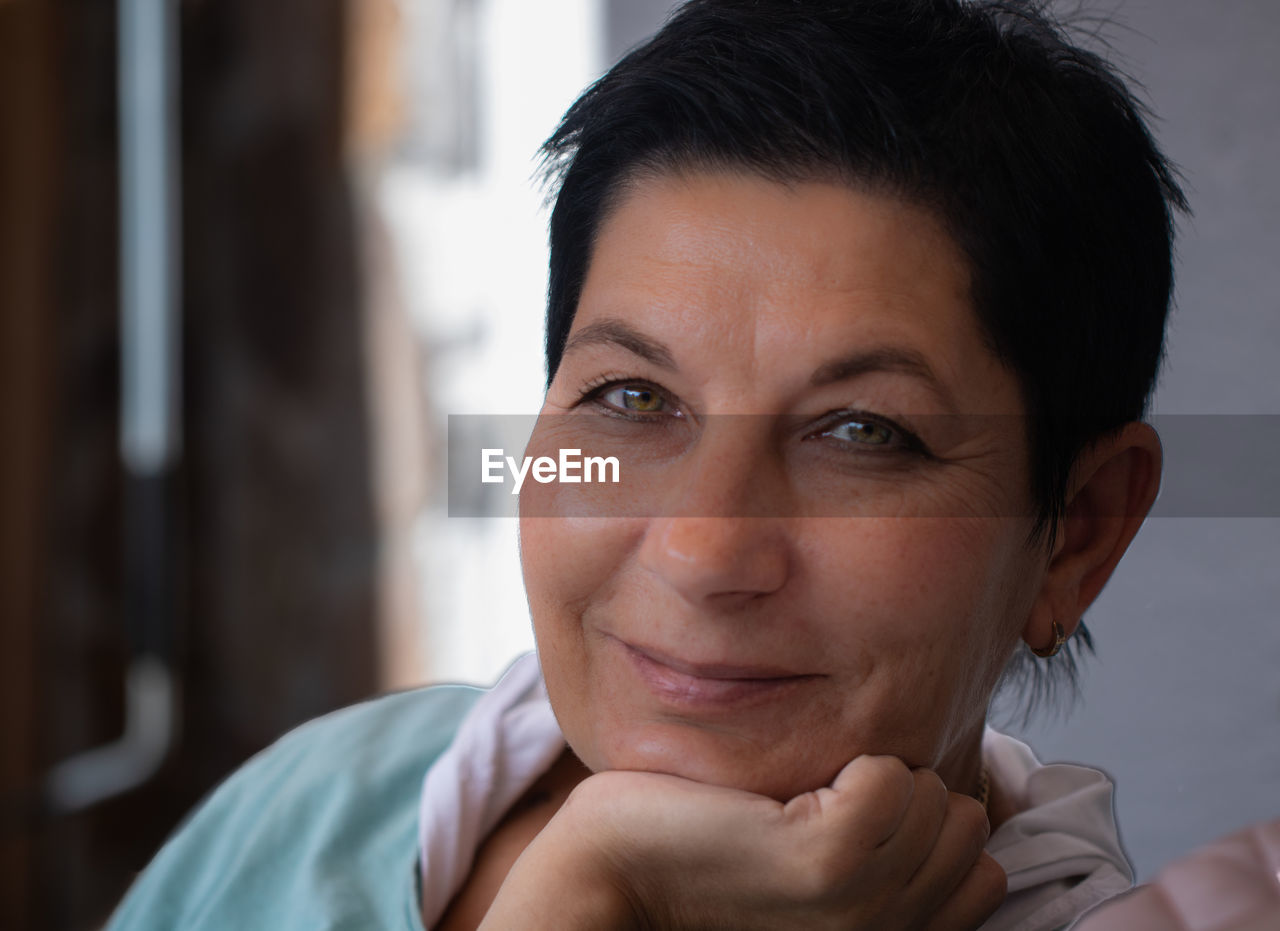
(1232,883)
(317,831)
(1061,849)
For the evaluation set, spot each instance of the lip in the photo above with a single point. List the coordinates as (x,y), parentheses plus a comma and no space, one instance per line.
(709,685)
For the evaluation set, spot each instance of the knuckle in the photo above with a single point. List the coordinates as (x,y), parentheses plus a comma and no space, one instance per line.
(968,811)
(897,781)
(991,880)
(889,772)
(930,789)
(970,816)
(927,780)
(884,782)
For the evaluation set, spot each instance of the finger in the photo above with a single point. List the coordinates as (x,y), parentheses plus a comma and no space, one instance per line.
(974,900)
(917,834)
(867,800)
(956,851)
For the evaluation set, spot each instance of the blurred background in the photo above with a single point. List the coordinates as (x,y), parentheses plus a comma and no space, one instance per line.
(252,254)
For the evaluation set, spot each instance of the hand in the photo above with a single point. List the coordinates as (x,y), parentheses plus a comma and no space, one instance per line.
(883,847)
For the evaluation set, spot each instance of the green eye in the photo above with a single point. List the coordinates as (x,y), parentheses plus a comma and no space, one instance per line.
(635,398)
(862,433)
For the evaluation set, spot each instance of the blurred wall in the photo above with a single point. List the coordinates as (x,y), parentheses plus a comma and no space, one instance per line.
(484,83)
(275,583)
(29,152)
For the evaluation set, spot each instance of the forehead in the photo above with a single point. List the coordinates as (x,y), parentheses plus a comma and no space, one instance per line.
(749,269)
(824,233)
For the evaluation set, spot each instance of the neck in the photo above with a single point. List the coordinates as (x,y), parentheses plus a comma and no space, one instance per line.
(961,771)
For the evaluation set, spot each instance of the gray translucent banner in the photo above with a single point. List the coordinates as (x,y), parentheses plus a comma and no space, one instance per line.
(590,464)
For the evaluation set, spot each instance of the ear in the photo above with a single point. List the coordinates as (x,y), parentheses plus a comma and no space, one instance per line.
(1113,485)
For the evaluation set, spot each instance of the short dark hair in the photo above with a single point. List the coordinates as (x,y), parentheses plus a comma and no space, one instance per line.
(1030,149)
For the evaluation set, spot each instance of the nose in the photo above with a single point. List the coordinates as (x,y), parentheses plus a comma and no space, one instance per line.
(720,561)
(712,548)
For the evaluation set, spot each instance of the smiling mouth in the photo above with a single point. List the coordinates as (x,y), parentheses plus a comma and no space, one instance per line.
(709,685)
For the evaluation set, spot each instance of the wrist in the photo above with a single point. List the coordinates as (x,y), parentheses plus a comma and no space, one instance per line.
(557,884)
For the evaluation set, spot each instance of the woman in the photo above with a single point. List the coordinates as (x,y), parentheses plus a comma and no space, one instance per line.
(867,300)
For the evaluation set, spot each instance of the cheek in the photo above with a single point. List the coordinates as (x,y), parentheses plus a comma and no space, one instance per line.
(569,561)
(910,575)
(932,602)
(568,565)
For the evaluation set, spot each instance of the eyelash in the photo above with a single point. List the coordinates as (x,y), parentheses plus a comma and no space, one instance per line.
(593,391)
(908,442)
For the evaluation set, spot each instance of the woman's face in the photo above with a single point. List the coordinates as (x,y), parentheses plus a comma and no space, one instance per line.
(839,568)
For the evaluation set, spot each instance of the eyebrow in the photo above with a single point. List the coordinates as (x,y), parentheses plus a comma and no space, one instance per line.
(846,368)
(617,333)
(882,359)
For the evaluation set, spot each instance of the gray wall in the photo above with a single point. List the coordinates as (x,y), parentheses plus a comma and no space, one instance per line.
(1182,705)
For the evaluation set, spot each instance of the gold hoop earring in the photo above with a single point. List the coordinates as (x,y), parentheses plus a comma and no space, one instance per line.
(1059,638)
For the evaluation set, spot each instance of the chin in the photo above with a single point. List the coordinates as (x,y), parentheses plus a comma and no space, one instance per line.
(712,758)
